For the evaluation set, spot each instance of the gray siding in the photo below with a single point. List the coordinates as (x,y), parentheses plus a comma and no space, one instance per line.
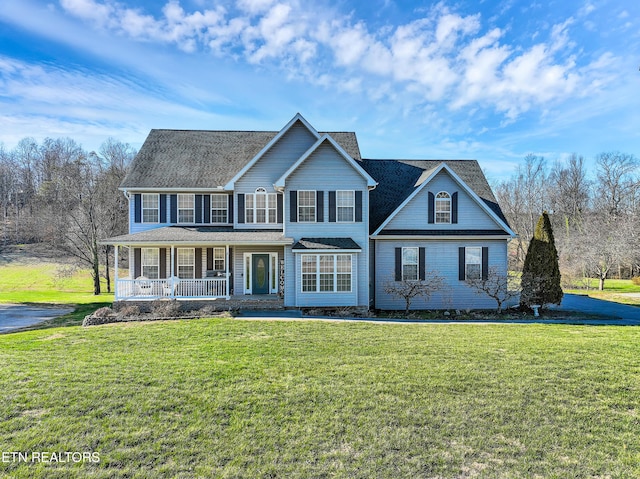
(414,215)
(441,256)
(326,170)
(139,227)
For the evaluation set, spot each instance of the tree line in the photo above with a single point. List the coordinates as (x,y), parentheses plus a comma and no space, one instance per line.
(57,193)
(594,214)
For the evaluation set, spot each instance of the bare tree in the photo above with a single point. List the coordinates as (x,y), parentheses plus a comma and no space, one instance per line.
(410,289)
(569,192)
(498,285)
(616,183)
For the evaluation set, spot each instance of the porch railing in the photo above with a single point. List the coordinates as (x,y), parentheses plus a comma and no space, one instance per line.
(142,288)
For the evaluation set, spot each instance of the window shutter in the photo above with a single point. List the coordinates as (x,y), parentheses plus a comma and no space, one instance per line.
(198,265)
(454,208)
(319,206)
(421,264)
(293,206)
(173,200)
(332,206)
(137,204)
(461,264)
(432,201)
(280,209)
(209,259)
(230,212)
(163,208)
(485,263)
(240,208)
(137,262)
(359,206)
(207,209)
(198,209)
(398,269)
(163,263)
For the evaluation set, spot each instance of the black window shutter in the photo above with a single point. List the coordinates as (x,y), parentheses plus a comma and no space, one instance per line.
(240,207)
(293,206)
(137,262)
(398,268)
(432,201)
(421,264)
(163,208)
(173,199)
(137,204)
(279,209)
(198,265)
(209,259)
(207,209)
(198,208)
(454,208)
(359,206)
(163,263)
(319,206)
(461,264)
(230,212)
(332,206)
(485,263)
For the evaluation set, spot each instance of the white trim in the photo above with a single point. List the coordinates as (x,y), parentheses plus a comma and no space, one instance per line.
(335,273)
(325,251)
(280,182)
(135,190)
(462,184)
(249,273)
(353,206)
(298,117)
(449,200)
(193,208)
(315,206)
(211,195)
(142,208)
(434,237)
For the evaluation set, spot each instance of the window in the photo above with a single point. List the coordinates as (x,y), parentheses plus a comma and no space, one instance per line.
(186,208)
(473,263)
(186,263)
(326,273)
(150,263)
(219,208)
(443,207)
(306,206)
(218,259)
(150,205)
(345,206)
(410,264)
(261,207)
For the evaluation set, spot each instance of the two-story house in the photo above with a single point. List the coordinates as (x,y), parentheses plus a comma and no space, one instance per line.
(299,215)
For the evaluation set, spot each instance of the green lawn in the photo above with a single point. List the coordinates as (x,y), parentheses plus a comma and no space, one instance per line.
(616,290)
(233,398)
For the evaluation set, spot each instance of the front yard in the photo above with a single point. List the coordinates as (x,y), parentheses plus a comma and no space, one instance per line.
(234,398)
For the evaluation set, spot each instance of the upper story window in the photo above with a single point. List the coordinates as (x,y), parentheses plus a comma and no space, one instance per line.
(261,207)
(219,208)
(186,208)
(150,207)
(345,206)
(443,207)
(410,264)
(306,206)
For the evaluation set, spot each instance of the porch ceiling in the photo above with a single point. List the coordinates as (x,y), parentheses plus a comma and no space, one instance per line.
(197,235)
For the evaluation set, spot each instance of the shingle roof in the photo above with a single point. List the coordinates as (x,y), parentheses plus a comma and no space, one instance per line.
(203,158)
(398,179)
(325,243)
(200,235)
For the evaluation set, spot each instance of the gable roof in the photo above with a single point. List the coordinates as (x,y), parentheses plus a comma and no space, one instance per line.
(399,179)
(203,159)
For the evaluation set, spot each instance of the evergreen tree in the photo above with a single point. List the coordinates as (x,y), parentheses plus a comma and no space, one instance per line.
(541,273)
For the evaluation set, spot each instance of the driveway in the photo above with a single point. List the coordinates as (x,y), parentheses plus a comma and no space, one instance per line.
(15,316)
(629,315)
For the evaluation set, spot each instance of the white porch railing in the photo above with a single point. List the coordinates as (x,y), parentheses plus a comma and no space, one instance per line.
(142,288)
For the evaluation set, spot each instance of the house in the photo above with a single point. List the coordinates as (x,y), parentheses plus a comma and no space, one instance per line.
(298,215)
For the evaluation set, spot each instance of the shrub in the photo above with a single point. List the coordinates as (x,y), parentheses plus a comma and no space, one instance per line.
(636,280)
(129,312)
(166,309)
(104,312)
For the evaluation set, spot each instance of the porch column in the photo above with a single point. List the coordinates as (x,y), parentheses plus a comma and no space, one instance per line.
(116,272)
(173,286)
(226,265)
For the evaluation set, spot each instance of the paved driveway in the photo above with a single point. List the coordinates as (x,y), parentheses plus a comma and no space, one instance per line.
(625,314)
(14,316)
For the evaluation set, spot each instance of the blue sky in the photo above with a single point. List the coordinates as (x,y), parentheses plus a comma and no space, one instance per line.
(489,80)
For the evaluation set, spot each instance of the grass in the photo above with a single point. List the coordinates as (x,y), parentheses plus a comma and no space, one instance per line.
(616,290)
(232,398)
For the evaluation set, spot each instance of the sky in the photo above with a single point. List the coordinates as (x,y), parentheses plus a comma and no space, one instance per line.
(486,80)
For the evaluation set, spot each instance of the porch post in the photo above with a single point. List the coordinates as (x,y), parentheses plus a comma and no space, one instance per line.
(116,272)
(173,286)
(226,265)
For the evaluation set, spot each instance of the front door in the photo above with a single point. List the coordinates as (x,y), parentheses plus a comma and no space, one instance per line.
(260,274)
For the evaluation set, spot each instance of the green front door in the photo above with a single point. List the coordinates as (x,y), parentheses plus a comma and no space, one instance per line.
(260,274)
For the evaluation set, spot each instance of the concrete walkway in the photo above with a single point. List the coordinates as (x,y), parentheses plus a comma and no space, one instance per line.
(16,316)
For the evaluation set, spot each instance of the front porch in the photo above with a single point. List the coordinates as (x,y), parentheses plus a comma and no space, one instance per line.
(143,288)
